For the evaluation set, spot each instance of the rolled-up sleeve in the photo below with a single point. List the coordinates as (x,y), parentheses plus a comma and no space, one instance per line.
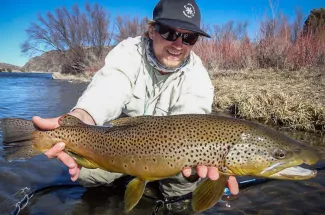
(105,96)
(111,87)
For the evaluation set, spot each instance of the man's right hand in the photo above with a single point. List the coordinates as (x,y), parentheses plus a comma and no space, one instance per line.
(57,149)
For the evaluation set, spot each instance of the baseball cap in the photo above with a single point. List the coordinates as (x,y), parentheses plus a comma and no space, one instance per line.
(183,14)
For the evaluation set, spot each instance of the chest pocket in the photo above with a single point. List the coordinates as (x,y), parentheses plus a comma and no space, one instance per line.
(168,97)
(160,104)
(136,105)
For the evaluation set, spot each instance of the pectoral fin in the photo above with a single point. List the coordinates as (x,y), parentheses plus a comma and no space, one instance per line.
(83,161)
(133,193)
(208,193)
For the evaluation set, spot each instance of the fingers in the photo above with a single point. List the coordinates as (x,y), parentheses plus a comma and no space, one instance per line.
(75,176)
(46,124)
(213,173)
(233,185)
(203,172)
(55,150)
(68,161)
(71,164)
(187,171)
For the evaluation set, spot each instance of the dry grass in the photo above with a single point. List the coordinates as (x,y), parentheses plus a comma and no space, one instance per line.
(290,99)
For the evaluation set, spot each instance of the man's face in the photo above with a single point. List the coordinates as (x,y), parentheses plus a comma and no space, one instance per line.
(169,53)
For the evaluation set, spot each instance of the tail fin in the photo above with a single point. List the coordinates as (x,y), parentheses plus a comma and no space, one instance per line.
(17,138)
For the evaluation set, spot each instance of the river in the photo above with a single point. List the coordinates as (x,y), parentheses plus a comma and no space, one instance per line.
(27,94)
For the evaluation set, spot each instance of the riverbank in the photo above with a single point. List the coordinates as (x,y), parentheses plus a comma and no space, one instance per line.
(290,99)
(85,77)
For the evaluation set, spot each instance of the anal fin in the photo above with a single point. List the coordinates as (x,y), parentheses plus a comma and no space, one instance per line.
(208,193)
(133,193)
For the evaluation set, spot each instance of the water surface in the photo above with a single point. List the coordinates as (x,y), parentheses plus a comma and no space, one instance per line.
(25,95)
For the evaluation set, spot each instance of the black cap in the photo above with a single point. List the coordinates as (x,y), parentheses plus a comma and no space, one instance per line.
(183,14)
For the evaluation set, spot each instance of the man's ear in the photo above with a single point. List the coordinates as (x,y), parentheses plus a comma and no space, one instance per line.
(151,31)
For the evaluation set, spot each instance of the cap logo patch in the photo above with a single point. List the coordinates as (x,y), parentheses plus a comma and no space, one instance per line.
(189,11)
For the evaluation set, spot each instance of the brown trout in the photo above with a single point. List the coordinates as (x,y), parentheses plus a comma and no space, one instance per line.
(153,147)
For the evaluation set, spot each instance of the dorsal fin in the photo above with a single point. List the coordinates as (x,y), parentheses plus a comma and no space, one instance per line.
(129,121)
(69,120)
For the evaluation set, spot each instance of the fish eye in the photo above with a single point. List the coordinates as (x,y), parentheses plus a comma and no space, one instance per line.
(279,154)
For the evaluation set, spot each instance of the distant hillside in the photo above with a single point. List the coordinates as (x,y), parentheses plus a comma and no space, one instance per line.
(50,61)
(47,62)
(6,66)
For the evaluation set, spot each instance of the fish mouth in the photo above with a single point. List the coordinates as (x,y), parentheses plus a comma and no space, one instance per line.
(293,169)
(294,173)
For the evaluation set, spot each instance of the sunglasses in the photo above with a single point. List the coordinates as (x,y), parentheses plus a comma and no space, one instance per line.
(172,35)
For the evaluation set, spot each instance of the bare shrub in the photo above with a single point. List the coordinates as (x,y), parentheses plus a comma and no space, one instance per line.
(129,27)
(307,51)
(80,36)
(206,49)
(279,45)
(274,43)
(230,47)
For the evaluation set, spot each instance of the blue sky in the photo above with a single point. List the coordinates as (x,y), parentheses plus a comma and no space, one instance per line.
(16,16)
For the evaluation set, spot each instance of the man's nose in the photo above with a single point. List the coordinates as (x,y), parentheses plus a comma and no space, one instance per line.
(178,42)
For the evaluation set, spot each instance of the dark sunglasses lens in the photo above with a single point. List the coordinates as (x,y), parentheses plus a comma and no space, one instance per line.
(190,39)
(171,35)
(166,33)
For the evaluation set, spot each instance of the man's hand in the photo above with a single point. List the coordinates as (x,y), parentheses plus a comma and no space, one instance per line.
(213,174)
(57,149)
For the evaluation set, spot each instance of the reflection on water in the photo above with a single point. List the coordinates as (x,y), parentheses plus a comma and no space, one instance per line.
(25,95)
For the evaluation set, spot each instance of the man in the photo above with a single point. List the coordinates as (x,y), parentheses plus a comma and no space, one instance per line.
(156,74)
